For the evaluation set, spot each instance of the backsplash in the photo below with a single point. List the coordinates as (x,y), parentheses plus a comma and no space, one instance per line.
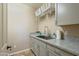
(47,21)
(71,31)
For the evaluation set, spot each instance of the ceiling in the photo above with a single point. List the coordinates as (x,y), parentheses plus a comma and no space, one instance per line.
(34,5)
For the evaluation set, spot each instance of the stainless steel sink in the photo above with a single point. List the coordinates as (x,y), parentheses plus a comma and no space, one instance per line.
(45,37)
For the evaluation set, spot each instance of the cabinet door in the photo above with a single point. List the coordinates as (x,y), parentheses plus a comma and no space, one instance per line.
(67,13)
(38,47)
(33,45)
(43,49)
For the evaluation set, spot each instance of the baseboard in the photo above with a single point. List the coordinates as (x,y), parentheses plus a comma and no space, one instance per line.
(19,51)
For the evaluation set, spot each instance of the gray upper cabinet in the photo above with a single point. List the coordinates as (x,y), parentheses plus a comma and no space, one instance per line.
(67,13)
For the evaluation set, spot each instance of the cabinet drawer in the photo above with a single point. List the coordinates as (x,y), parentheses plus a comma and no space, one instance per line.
(59,51)
(62,53)
(52,53)
(50,47)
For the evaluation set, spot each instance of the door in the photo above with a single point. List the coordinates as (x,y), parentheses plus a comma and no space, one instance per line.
(1,30)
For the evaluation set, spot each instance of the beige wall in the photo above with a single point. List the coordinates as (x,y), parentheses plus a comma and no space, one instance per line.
(21,22)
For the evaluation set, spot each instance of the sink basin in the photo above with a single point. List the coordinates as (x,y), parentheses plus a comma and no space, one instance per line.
(45,37)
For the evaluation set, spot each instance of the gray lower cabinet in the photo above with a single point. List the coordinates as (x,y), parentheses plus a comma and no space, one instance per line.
(43,49)
(38,47)
(34,46)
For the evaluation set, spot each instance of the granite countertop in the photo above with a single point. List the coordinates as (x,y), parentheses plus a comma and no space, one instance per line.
(71,45)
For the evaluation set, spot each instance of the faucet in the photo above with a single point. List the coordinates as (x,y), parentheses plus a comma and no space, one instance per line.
(46,31)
